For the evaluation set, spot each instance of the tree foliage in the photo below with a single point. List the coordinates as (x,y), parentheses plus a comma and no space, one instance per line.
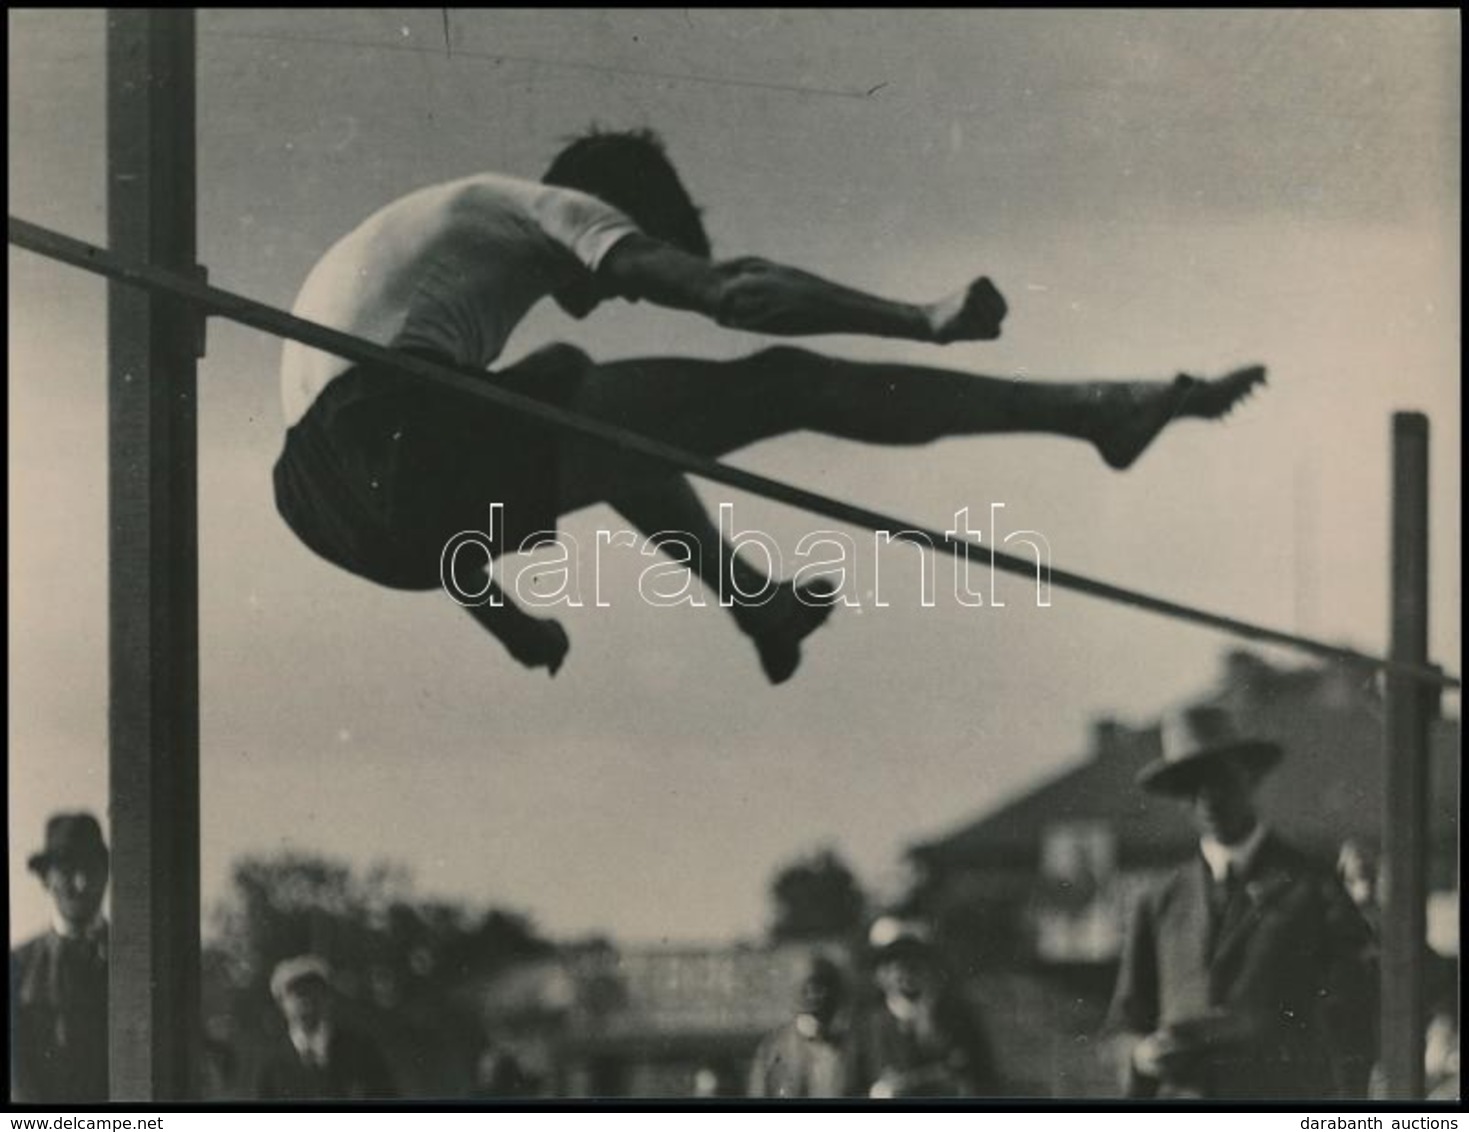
(401,962)
(816,897)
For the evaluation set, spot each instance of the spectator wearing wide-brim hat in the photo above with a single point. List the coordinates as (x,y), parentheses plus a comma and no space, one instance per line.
(1197,739)
(71,838)
(1246,974)
(58,980)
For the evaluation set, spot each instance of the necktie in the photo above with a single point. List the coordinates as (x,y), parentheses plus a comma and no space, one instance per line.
(1232,902)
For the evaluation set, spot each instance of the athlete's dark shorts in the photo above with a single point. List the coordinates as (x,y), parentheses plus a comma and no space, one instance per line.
(385,468)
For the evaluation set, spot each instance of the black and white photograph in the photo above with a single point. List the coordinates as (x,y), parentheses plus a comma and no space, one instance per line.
(716,557)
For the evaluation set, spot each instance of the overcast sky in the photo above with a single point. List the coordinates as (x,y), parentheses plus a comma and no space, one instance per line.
(1154,191)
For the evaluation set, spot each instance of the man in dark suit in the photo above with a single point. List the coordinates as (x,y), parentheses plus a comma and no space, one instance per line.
(324,1060)
(1247,973)
(58,981)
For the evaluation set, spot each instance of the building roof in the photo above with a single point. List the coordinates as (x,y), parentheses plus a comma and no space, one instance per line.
(1097,789)
(1329,786)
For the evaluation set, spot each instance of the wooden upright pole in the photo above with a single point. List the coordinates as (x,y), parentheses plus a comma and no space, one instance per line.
(1405,810)
(153,342)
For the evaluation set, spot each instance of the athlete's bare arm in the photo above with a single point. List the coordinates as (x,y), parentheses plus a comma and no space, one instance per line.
(771,298)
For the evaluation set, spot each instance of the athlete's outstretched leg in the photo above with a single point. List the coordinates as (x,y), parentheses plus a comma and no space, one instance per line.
(716,407)
(712,408)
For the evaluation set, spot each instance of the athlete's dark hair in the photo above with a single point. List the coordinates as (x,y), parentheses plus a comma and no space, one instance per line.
(630,170)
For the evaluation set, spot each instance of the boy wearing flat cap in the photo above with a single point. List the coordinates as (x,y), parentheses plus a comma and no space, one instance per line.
(58,981)
(325,1060)
(923,1039)
(1245,974)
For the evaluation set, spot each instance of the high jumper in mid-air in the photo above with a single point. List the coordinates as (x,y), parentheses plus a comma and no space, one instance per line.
(381,468)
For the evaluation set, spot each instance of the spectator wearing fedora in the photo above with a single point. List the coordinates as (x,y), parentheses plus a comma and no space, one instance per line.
(1246,973)
(58,981)
(811,1055)
(324,1059)
(923,1039)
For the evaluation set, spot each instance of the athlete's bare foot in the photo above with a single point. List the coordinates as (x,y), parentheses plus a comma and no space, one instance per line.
(1140,410)
(780,645)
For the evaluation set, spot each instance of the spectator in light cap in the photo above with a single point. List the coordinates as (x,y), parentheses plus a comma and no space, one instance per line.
(923,1040)
(58,981)
(811,1055)
(325,1060)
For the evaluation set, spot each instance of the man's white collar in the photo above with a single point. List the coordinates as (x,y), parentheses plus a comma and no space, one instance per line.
(1221,858)
(312,1045)
(67,931)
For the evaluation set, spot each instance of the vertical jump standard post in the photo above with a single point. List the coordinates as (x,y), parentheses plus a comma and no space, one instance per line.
(153,706)
(1410,706)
